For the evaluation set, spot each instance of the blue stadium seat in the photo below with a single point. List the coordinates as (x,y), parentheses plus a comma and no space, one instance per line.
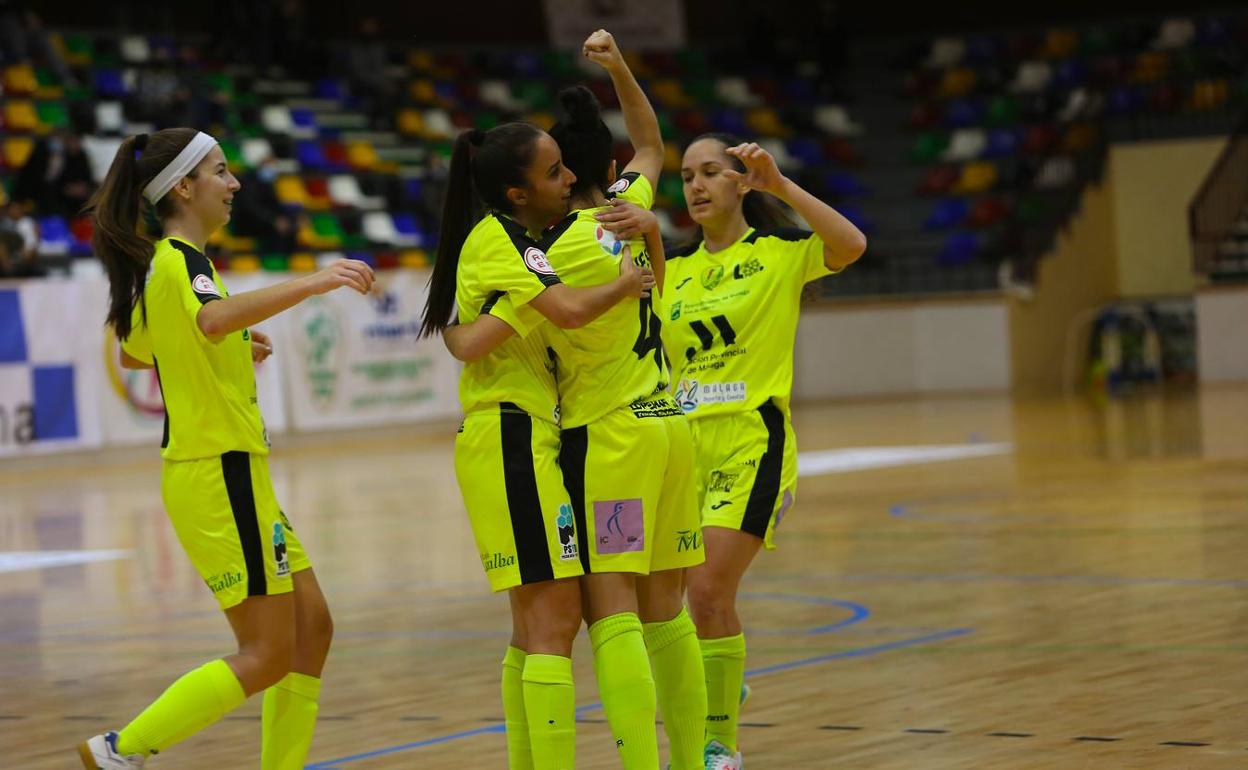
(54,236)
(947,213)
(959,249)
(962,113)
(109,83)
(1002,143)
(311,156)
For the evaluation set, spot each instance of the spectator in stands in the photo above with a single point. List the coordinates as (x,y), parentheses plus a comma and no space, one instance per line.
(258,213)
(57,177)
(23,39)
(19,243)
(366,63)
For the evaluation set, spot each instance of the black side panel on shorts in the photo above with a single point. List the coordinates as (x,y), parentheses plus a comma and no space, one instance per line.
(164,441)
(573,447)
(236,468)
(523,501)
(762,502)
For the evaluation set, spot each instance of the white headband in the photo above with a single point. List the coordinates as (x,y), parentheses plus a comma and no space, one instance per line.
(182,165)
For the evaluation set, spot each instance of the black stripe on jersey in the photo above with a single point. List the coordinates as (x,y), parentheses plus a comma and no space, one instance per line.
(725,329)
(491,302)
(196,265)
(573,448)
(762,502)
(236,469)
(783,233)
(164,441)
(524,504)
(521,240)
(704,334)
(683,250)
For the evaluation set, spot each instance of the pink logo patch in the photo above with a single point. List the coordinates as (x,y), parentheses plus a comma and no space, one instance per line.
(536,261)
(204,285)
(619,526)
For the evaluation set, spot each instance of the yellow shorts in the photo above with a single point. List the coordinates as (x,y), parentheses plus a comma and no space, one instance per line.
(746,470)
(227,518)
(630,475)
(507,464)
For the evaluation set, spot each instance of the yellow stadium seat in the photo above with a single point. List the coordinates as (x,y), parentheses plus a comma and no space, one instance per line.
(413,258)
(362,155)
(976,178)
(244,263)
(422,91)
(20,79)
(290,190)
(237,243)
(20,115)
(1150,67)
(411,123)
(16,150)
(421,61)
(764,121)
(670,93)
(1059,44)
(543,120)
(957,81)
(302,262)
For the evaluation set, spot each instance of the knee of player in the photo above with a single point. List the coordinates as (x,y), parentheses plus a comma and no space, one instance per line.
(271,663)
(708,601)
(560,626)
(320,627)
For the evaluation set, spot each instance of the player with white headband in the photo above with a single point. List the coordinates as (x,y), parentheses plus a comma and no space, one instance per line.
(171,311)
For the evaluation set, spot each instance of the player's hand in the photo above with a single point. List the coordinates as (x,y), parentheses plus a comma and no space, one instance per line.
(638,281)
(261,346)
(761,171)
(351,273)
(627,220)
(600,48)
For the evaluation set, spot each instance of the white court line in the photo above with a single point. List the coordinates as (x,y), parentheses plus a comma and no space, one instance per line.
(17,561)
(865,458)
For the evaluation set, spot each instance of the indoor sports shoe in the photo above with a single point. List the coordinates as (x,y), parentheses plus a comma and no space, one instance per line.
(100,753)
(717,756)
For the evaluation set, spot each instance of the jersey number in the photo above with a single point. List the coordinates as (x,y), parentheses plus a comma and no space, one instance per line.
(707,337)
(649,337)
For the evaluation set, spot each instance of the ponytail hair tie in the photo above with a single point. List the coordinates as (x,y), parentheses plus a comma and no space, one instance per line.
(476,137)
(140,143)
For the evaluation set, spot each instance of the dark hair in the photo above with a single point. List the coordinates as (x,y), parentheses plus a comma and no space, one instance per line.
(115,209)
(484,164)
(762,211)
(584,140)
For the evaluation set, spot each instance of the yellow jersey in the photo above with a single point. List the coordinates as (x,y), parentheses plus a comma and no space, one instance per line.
(500,260)
(618,357)
(209,387)
(730,319)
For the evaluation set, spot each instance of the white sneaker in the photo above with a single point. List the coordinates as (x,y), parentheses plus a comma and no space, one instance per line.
(100,753)
(717,756)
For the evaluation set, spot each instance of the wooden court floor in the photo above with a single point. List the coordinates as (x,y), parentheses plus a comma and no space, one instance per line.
(1073,596)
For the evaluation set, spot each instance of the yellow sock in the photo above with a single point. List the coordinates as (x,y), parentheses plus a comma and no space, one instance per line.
(680,681)
(288,720)
(627,688)
(198,699)
(724,660)
(550,708)
(519,753)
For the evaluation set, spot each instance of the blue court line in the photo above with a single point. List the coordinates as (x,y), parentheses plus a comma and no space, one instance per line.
(858,612)
(1094,579)
(858,652)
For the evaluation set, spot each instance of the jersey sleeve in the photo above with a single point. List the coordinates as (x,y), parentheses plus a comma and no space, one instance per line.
(521,273)
(634,188)
(139,344)
(191,280)
(522,320)
(803,248)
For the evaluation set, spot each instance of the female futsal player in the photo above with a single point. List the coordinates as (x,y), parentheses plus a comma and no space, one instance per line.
(730,321)
(172,312)
(626,450)
(493,248)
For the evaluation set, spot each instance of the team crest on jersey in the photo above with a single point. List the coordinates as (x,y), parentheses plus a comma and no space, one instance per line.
(747,268)
(567,534)
(279,550)
(712,276)
(607,240)
(675,310)
(204,285)
(535,260)
(620,186)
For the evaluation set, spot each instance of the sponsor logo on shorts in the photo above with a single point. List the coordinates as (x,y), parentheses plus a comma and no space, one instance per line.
(691,394)
(535,260)
(218,583)
(723,482)
(567,534)
(619,525)
(688,540)
(493,561)
(279,550)
(204,285)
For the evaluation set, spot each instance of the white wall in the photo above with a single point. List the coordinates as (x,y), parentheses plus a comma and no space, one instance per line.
(902,347)
(1222,334)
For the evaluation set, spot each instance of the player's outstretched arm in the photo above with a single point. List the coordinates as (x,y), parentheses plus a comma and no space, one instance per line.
(473,341)
(639,117)
(572,308)
(240,311)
